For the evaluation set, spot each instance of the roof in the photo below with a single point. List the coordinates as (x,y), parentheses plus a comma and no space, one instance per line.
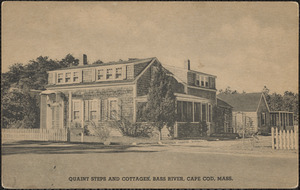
(222,103)
(247,102)
(130,61)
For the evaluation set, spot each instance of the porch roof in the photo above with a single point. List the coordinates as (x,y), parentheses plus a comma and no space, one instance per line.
(180,97)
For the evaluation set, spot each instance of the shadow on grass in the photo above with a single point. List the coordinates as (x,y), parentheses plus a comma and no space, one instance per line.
(35,147)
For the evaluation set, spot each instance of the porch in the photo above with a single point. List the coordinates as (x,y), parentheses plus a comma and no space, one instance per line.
(282,120)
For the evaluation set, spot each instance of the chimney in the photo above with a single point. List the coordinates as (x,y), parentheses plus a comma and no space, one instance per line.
(187,64)
(83,60)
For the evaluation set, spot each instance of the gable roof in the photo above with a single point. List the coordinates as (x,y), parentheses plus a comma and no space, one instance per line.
(222,103)
(247,102)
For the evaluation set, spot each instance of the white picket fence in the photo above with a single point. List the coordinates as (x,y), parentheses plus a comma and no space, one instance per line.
(35,134)
(284,139)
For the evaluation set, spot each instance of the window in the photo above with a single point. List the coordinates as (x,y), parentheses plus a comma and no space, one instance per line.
(75,77)
(76,110)
(263,119)
(179,111)
(113,112)
(100,74)
(118,73)
(93,110)
(197,112)
(203,112)
(68,77)
(202,81)
(206,81)
(190,111)
(209,113)
(109,74)
(60,77)
(197,80)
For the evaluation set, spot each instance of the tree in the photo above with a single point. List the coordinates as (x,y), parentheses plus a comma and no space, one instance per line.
(229,91)
(160,107)
(97,62)
(19,107)
(69,61)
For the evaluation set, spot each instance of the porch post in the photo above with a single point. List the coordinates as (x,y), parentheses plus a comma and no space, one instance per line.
(70,109)
(82,119)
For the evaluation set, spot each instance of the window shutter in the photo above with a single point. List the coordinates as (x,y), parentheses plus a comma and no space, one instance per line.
(119,109)
(124,72)
(104,109)
(86,110)
(99,110)
(93,74)
(54,78)
(80,76)
(50,78)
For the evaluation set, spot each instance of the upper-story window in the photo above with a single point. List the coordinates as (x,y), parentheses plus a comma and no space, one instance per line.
(118,73)
(60,77)
(197,80)
(206,81)
(202,80)
(109,74)
(100,74)
(75,76)
(68,77)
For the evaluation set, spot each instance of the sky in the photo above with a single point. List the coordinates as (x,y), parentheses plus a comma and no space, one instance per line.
(247,45)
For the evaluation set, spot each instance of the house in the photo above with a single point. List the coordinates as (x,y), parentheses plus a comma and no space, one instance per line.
(113,90)
(223,117)
(250,111)
(282,120)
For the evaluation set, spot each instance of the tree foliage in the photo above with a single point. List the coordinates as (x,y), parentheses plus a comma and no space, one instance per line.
(20,107)
(97,62)
(160,107)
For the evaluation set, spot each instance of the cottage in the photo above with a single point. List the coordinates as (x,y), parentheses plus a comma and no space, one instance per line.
(109,91)
(250,112)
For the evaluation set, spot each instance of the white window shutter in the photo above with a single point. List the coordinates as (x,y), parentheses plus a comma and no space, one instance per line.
(80,76)
(86,110)
(119,109)
(99,109)
(50,78)
(104,109)
(54,78)
(124,72)
(93,74)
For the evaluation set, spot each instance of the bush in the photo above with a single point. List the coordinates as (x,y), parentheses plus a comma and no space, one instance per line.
(226,135)
(132,129)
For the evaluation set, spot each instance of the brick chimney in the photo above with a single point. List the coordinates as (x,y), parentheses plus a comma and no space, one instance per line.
(83,60)
(187,64)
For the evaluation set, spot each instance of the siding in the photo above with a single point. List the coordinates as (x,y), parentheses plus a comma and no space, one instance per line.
(143,83)
(43,114)
(211,95)
(263,108)
(124,95)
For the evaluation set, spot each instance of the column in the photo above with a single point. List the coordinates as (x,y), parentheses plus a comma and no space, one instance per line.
(70,109)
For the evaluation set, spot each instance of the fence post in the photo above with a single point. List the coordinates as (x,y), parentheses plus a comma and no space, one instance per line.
(296,138)
(284,139)
(288,139)
(280,137)
(277,139)
(272,132)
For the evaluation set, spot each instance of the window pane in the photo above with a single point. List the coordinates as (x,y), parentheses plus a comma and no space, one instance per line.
(60,78)
(75,76)
(179,111)
(190,111)
(68,77)
(118,73)
(113,109)
(184,111)
(197,112)
(100,74)
(109,74)
(76,115)
(203,112)
(76,106)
